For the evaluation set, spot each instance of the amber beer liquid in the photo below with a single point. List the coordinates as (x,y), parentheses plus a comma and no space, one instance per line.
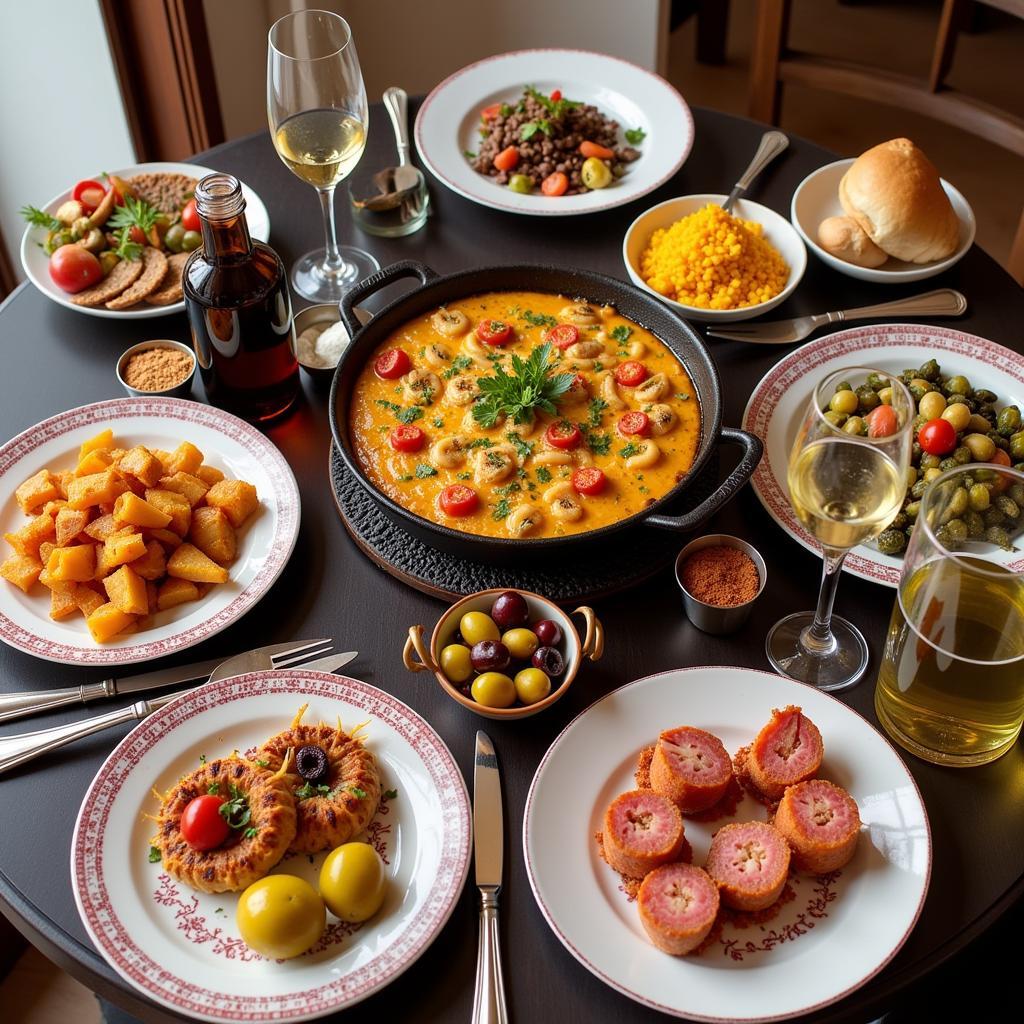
(239,309)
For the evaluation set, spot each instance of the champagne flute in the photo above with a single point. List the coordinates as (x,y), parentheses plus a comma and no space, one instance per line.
(847,481)
(316,105)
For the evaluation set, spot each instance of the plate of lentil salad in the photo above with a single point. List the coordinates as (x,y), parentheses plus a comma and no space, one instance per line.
(162,185)
(964,368)
(543,106)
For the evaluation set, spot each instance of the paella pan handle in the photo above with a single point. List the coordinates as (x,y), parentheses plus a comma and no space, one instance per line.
(374,283)
(752,449)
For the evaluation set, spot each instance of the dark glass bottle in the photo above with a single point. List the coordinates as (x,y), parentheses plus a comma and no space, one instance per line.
(239,309)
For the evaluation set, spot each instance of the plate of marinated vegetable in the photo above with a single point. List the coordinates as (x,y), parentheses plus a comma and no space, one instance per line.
(115,244)
(553,132)
(968,394)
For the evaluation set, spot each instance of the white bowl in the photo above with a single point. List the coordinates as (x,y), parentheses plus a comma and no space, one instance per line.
(817,197)
(777,230)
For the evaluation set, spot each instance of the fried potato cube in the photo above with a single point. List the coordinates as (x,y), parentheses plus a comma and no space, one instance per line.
(152,591)
(63,481)
(76,564)
(104,439)
(167,538)
(21,570)
(94,462)
(142,464)
(51,508)
(185,484)
(126,590)
(213,534)
(45,550)
(174,592)
(237,498)
(36,491)
(164,458)
(87,599)
(96,489)
(173,504)
(189,563)
(100,529)
(153,564)
(210,475)
(62,601)
(107,621)
(135,511)
(123,547)
(70,522)
(186,458)
(26,541)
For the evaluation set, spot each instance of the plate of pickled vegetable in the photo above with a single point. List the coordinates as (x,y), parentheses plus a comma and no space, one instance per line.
(968,394)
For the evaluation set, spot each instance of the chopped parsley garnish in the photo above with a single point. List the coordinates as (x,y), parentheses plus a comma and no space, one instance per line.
(621,333)
(538,319)
(599,444)
(524,449)
(423,470)
(531,128)
(464,475)
(261,763)
(202,759)
(634,136)
(213,789)
(459,363)
(630,450)
(479,442)
(40,218)
(405,478)
(501,510)
(389,794)
(530,387)
(495,460)
(359,794)
(596,411)
(155,856)
(511,488)
(543,474)
(682,396)
(469,154)
(409,415)
(251,832)
(437,422)
(556,108)
(308,790)
(235,811)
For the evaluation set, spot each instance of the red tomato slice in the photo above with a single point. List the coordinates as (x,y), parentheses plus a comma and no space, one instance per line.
(459,500)
(937,437)
(494,332)
(392,364)
(136,234)
(589,480)
(202,825)
(491,112)
(89,193)
(73,268)
(555,184)
(563,434)
(589,149)
(882,421)
(563,335)
(630,373)
(634,424)
(507,159)
(406,438)
(556,95)
(190,218)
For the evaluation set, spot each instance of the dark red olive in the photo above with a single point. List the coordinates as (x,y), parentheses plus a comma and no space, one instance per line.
(489,656)
(510,610)
(549,660)
(549,633)
(311,764)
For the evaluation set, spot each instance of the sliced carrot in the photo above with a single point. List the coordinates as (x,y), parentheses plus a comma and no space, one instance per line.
(589,149)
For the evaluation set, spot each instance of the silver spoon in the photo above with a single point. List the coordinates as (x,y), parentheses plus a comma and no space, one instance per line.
(772,144)
(398,184)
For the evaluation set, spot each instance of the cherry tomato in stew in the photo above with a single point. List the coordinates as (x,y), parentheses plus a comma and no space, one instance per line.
(406,438)
(89,193)
(563,434)
(589,149)
(202,825)
(458,500)
(563,335)
(556,95)
(630,373)
(555,184)
(589,480)
(937,437)
(507,159)
(391,364)
(635,424)
(189,218)
(73,268)
(882,421)
(494,332)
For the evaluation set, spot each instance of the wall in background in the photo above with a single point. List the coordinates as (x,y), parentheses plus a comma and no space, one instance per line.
(57,127)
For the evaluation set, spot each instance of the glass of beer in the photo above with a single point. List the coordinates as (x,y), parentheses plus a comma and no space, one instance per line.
(951,685)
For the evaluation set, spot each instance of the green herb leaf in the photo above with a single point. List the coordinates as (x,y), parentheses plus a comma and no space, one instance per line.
(501,510)
(629,450)
(464,475)
(508,489)
(459,363)
(543,475)
(469,154)
(524,449)
(599,444)
(634,136)
(479,442)
(251,832)
(262,763)
(213,789)
(307,790)
(423,470)
(414,412)
(596,410)
(437,421)
(40,218)
(134,213)
(538,319)
(235,811)
(359,794)
(529,387)
(556,108)
(155,856)
(389,794)
(682,396)
(621,333)
(202,759)
(126,248)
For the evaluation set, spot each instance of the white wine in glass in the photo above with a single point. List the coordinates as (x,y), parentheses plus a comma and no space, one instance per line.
(316,105)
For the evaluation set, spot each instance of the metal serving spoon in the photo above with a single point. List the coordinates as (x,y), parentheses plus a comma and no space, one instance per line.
(396,185)
(772,144)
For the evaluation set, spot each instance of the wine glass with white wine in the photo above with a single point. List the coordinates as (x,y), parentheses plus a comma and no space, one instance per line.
(316,104)
(847,481)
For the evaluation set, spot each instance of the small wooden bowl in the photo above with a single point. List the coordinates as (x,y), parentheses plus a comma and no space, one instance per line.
(573,648)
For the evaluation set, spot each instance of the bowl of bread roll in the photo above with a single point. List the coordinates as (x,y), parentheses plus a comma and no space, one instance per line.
(885,217)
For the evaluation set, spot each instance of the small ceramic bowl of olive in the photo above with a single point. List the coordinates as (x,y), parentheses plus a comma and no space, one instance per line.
(505,653)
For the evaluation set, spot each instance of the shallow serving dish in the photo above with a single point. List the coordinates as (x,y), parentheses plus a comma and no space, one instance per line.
(713,618)
(817,197)
(183,389)
(574,650)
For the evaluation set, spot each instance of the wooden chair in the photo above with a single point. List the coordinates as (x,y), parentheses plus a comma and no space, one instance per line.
(774,64)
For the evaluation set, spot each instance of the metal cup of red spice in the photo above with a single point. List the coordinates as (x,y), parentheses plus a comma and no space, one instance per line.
(720,577)
(161,367)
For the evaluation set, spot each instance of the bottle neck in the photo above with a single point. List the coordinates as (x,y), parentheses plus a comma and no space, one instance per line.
(226,240)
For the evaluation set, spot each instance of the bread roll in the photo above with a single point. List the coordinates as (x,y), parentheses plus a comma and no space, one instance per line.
(893,192)
(845,238)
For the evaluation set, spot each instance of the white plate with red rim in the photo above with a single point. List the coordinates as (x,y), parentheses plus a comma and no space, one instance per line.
(777,404)
(837,932)
(265,541)
(36,263)
(448,121)
(182,948)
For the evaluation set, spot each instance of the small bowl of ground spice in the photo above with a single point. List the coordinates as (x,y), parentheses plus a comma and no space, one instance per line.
(157,368)
(721,577)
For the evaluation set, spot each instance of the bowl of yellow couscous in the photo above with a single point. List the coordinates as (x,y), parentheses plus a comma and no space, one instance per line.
(714,266)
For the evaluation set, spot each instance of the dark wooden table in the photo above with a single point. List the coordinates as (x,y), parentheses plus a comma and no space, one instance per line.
(54,359)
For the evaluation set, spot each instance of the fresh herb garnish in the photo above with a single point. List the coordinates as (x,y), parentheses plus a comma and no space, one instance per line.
(596,410)
(40,218)
(437,421)
(459,363)
(308,790)
(423,470)
(538,319)
(621,333)
(508,489)
(505,109)
(634,136)
(202,759)
(251,832)
(524,449)
(556,108)
(599,444)
(494,460)
(682,396)
(213,789)
(413,412)
(502,510)
(629,450)
(261,763)
(532,387)
(126,249)
(405,478)
(469,154)
(359,794)
(543,474)
(235,811)
(478,442)
(134,213)
(464,475)
(531,128)
(155,856)
(389,794)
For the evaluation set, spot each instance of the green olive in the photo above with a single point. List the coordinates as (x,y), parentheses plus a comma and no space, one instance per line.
(911,476)
(975,524)
(494,690)
(844,385)
(477,626)
(191,240)
(982,447)
(876,381)
(522,183)
(958,385)
(885,394)
(929,370)
(1017,445)
(891,541)
(919,388)
(932,474)
(867,398)
(957,505)
(997,535)
(837,419)
(962,455)
(958,414)
(912,509)
(532,685)
(174,236)
(986,396)
(855,425)
(844,401)
(1008,506)
(596,173)
(108,260)
(1008,421)
(977,424)
(932,405)
(456,664)
(980,497)
(929,461)
(521,643)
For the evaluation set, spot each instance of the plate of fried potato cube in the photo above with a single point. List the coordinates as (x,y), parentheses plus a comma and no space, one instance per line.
(138,527)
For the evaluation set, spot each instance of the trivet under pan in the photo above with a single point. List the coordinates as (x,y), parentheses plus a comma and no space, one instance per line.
(447,576)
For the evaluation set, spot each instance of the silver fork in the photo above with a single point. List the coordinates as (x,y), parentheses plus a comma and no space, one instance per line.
(22,747)
(941,302)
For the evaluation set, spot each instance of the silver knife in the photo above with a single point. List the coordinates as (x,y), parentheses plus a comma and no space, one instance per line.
(488,843)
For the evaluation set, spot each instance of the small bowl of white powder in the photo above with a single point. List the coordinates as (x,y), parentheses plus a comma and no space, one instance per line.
(320,340)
